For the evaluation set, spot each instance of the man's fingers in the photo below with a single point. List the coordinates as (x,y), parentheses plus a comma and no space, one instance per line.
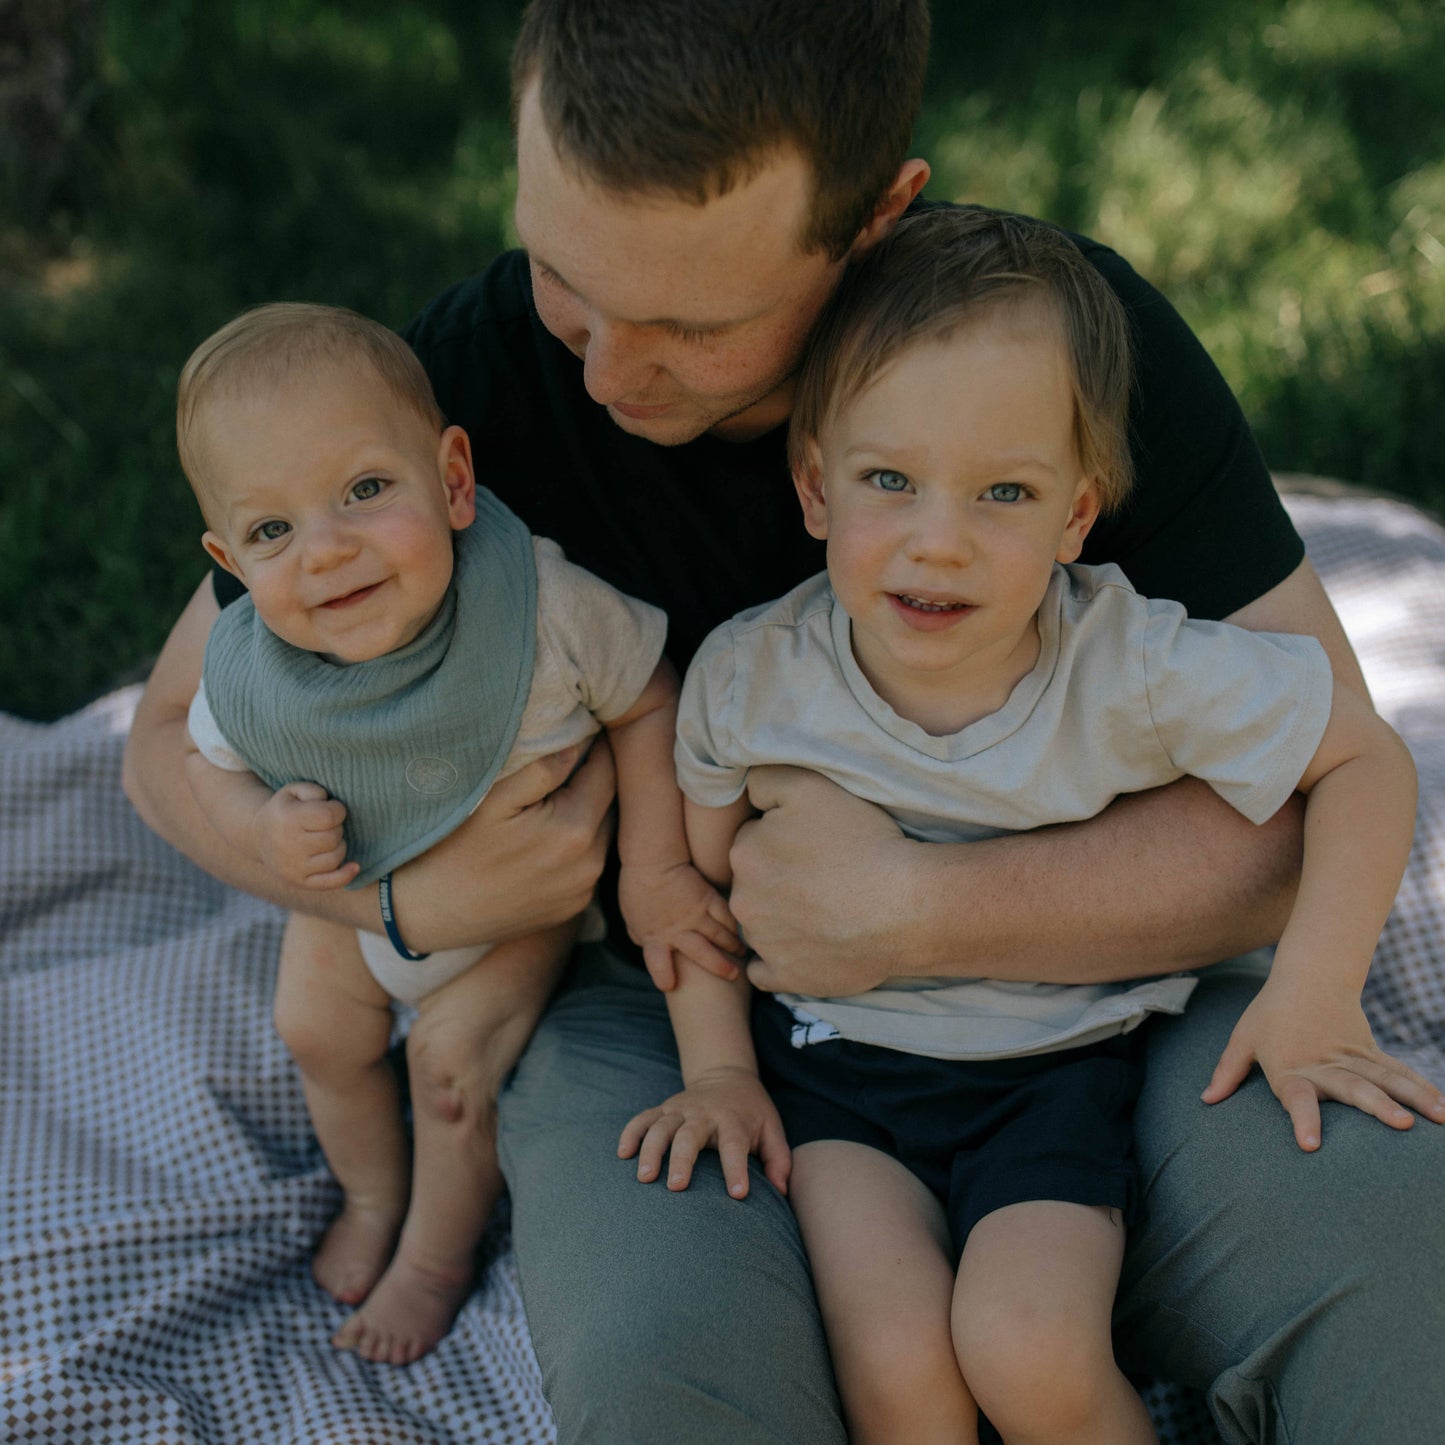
(531,785)
(760,975)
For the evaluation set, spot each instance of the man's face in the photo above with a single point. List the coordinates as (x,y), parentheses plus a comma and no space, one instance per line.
(688,318)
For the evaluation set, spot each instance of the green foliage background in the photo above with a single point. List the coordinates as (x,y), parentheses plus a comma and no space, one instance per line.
(1277,168)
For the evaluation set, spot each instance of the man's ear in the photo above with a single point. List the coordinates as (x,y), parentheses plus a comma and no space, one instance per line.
(808,479)
(219,553)
(1082,516)
(454,462)
(911,178)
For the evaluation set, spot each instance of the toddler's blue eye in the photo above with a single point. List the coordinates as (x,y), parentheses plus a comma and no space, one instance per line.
(1005,492)
(890,481)
(367,488)
(271,531)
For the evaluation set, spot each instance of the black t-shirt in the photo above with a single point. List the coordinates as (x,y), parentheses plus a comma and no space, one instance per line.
(706,529)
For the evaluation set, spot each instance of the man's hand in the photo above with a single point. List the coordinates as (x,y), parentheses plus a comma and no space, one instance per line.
(528,858)
(820,886)
(673,910)
(1312,1047)
(726,1108)
(300,839)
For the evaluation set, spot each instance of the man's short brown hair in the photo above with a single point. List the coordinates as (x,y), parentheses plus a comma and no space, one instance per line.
(691,97)
(943,268)
(265,345)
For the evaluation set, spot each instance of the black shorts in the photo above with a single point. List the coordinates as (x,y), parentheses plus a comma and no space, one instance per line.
(979,1134)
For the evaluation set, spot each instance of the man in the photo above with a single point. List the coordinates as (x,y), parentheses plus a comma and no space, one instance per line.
(692,178)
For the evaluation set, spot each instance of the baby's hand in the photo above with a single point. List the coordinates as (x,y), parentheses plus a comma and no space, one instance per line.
(300,838)
(674,909)
(1314,1047)
(728,1109)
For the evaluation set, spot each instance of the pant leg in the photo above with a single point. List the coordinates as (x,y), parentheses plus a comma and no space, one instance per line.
(1304,1293)
(657,1317)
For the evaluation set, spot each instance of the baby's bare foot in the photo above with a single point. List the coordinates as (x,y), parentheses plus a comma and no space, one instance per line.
(355,1251)
(406,1315)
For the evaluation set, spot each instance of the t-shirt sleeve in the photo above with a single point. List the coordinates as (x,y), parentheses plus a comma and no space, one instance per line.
(708,767)
(208,738)
(1205,525)
(607,643)
(1244,711)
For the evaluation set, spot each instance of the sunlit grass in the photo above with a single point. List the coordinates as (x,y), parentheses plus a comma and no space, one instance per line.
(1278,169)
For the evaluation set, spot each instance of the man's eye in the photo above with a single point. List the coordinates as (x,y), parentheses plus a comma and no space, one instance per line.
(271,531)
(688,333)
(887,481)
(367,488)
(1005,492)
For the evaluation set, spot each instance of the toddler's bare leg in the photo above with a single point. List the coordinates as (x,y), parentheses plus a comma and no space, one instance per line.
(879,1250)
(466,1038)
(1031,1315)
(336,1021)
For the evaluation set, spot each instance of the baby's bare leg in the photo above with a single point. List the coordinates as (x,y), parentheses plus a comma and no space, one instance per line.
(336,1021)
(1031,1315)
(466,1038)
(878,1246)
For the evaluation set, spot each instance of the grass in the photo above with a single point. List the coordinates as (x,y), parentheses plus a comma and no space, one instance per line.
(1276,168)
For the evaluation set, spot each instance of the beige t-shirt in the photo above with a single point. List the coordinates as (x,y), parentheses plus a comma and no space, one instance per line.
(1128,693)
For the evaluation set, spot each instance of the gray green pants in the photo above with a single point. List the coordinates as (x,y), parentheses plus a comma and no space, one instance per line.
(1305,1294)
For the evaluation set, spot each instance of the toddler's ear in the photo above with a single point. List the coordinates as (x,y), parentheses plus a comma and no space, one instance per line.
(808,479)
(1082,516)
(454,461)
(218,552)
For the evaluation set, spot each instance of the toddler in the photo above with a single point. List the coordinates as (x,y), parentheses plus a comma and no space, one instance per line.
(405,641)
(960,1162)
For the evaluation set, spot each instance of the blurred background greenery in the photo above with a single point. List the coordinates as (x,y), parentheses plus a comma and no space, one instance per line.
(1277,168)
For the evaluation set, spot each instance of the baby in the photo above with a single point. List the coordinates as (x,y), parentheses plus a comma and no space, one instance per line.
(960,1162)
(405,642)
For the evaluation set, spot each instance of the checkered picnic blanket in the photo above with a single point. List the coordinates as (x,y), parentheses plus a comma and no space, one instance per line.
(161,1192)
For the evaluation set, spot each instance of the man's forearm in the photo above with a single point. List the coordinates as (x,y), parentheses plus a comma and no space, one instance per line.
(1159,881)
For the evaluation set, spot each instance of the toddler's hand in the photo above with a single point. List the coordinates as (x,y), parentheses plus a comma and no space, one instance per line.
(300,837)
(674,909)
(1313,1047)
(728,1109)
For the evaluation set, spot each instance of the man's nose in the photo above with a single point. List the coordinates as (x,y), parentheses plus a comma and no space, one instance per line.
(617,362)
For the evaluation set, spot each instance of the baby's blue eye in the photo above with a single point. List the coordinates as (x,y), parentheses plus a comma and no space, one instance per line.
(890,481)
(1005,492)
(271,531)
(367,488)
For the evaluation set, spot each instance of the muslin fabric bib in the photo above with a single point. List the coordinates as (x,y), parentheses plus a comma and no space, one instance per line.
(409,741)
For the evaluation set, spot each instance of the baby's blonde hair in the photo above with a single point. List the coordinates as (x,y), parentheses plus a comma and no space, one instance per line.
(265,345)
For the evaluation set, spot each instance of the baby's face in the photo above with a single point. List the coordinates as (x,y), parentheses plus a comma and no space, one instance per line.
(335,504)
(946,489)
